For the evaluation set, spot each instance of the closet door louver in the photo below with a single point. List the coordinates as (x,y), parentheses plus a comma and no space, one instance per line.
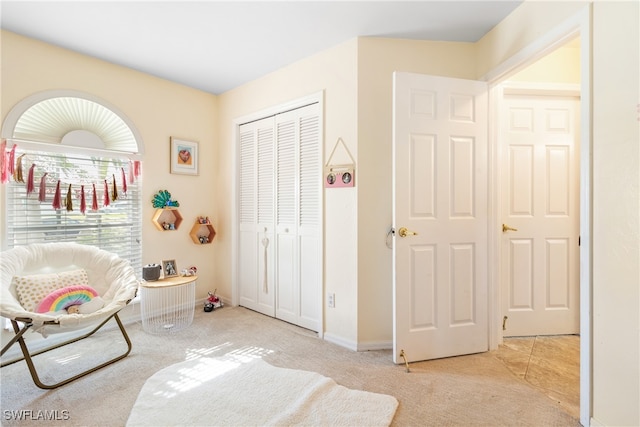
(280,216)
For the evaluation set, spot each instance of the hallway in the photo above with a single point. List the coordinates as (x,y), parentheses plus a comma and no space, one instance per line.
(548,363)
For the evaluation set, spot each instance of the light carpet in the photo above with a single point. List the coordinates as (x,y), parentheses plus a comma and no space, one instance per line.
(250,392)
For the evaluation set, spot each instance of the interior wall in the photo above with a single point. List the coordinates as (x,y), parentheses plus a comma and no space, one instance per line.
(616,213)
(560,66)
(159,109)
(332,72)
(378,58)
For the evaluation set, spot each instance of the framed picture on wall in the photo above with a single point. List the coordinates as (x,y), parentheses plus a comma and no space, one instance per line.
(184,156)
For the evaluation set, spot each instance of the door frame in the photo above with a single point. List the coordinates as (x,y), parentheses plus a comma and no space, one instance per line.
(577,25)
(317,97)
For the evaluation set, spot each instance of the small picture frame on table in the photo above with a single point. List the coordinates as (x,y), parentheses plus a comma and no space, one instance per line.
(184,156)
(169,268)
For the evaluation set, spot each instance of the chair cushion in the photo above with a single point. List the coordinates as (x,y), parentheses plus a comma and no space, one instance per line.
(34,288)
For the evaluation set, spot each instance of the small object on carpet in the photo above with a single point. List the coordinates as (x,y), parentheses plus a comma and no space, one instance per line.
(251,392)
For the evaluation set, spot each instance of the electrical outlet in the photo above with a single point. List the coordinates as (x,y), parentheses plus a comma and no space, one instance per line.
(331,300)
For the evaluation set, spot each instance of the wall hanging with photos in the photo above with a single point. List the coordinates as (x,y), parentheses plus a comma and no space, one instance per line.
(340,175)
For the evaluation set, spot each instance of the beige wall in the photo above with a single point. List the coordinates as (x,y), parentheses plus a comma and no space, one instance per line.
(332,72)
(616,213)
(159,109)
(378,58)
(560,66)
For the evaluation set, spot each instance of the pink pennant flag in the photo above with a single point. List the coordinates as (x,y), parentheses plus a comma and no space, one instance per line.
(94,202)
(57,199)
(137,168)
(3,161)
(83,201)
(42,194)
(106,199)
(131,177)
(30,185)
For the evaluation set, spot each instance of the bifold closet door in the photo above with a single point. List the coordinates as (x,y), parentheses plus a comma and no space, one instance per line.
(280,192)
(256,216)
(298,204)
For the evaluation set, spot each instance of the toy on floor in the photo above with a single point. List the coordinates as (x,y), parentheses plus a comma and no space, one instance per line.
(212,302)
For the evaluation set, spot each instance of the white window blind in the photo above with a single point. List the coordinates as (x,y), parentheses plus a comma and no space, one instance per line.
(115,228)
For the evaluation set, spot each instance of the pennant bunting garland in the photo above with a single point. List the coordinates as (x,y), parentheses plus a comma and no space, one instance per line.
(57,202)
(42,194)
(30,179)
(11,167)
(83,202)
(94,203)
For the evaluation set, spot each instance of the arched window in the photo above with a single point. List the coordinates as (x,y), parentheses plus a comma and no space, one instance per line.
(75,174)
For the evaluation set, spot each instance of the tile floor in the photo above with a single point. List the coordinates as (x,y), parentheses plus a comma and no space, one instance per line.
(549,363)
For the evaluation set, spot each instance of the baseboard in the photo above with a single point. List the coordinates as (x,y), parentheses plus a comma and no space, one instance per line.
(335,339)
(373,345)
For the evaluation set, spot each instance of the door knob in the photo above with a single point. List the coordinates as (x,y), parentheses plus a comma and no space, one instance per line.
(404,232)
(506,228)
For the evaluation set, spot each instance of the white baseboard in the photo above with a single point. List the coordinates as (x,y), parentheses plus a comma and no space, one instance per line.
(373,345)
(342,342)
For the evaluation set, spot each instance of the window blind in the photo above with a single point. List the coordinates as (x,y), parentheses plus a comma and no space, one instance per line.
(115,228)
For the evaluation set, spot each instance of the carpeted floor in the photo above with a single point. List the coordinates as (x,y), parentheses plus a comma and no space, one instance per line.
(475,390)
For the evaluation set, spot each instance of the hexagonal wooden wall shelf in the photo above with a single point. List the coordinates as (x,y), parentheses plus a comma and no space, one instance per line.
(202,233)
(167,219)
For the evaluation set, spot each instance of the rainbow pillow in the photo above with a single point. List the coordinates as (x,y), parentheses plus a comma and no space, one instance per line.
(63,298)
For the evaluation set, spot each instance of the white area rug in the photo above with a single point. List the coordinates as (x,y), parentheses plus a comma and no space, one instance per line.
(234,392)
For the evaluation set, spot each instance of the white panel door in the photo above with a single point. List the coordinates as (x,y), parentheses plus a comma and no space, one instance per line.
(540,259)
(440,217)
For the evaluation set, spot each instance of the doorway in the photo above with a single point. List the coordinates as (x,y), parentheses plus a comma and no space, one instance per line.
(538,142)
(552,83)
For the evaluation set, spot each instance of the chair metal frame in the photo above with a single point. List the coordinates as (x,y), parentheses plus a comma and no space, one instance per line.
(28,356)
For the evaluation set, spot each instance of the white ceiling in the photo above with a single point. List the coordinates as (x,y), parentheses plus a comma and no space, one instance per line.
(216,46)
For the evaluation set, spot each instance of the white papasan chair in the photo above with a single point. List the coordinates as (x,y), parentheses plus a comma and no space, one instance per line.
(108,274)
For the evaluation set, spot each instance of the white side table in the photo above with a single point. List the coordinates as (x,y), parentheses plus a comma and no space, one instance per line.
(168,304)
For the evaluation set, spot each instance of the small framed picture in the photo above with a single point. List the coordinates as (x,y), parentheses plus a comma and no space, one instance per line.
(184,156)
(169,267)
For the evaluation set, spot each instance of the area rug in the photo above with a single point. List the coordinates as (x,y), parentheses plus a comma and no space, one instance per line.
(251,392)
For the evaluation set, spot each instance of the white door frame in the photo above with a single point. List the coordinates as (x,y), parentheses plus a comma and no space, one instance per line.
(577,25)
(317,97)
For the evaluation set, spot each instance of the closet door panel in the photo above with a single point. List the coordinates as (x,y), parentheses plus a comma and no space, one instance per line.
(287,283)
(309,218)
(255,271)
(310,282)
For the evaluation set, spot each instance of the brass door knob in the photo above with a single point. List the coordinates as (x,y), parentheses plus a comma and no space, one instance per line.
(404,232)
(506,228)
